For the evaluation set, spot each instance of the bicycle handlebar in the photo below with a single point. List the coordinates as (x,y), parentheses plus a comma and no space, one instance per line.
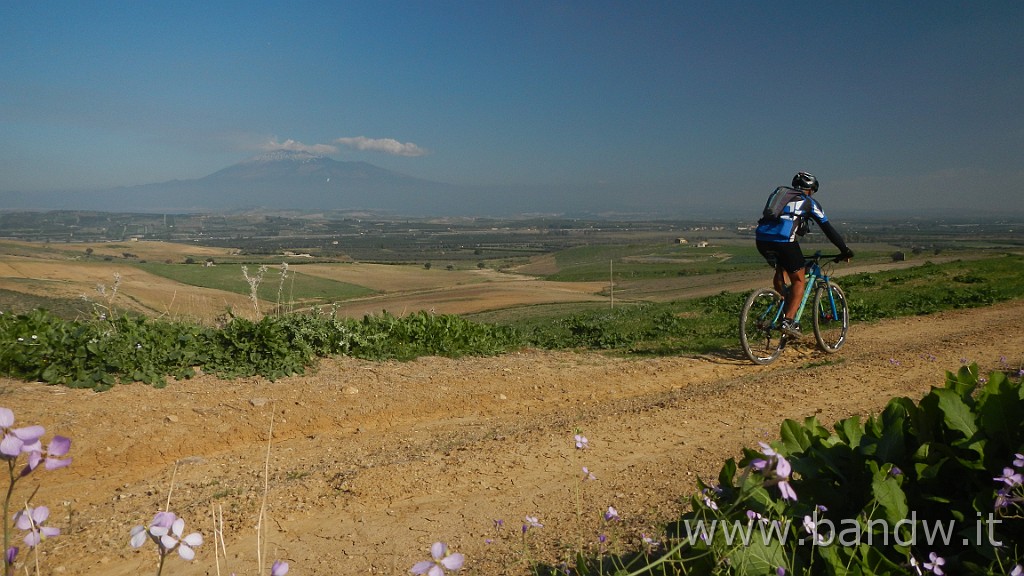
(818,256)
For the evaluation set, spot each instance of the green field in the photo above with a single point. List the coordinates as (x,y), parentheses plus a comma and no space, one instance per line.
(655,261)
(294,288)
(708,324)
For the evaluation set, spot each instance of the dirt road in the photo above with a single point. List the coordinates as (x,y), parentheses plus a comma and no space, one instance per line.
(372,462)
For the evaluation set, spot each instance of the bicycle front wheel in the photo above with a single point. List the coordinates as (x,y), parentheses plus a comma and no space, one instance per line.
(831,317)
(761,339)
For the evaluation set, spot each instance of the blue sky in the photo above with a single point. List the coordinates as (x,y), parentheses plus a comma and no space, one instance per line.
(893,105)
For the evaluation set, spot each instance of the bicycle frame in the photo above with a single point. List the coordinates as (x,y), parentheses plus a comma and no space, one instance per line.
(815,277)
(761,315)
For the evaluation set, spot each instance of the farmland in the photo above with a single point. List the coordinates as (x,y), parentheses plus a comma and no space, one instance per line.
(191,266)
(374,460)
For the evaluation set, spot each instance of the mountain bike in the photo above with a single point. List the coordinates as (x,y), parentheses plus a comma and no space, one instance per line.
(761,318)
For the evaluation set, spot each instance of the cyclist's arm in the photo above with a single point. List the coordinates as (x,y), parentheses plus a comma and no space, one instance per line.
(833,236)
(830,231)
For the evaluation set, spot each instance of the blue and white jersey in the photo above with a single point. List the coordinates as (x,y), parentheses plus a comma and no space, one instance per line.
(784,228)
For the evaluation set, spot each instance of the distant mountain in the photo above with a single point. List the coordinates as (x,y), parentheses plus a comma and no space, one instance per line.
(299,181)
(279,180)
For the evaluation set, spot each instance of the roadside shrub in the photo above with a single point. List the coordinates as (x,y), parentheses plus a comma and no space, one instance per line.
(106,351)
(933,486)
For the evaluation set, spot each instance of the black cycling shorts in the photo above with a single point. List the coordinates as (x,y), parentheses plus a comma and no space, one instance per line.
(788,255)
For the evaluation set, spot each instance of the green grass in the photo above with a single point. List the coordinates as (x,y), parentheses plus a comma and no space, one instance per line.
(93,352)
(640,261)
(297,287)
(709,324)
(931,287)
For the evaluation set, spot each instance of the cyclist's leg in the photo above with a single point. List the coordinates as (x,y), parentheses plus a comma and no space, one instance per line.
(791,259)
(779,281)
(770,251)
(797,284)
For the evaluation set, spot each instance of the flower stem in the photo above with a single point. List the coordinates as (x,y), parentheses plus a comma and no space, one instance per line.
(8,562)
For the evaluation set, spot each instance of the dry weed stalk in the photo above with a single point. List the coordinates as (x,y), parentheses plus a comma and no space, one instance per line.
(254,286)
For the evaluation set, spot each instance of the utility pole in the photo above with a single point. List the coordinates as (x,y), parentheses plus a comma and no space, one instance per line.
(611,284)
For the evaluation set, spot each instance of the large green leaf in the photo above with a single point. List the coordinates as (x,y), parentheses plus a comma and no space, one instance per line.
(957,415)
(891,499)
(762,556)
(794,437)
(1000,411)
(851,431)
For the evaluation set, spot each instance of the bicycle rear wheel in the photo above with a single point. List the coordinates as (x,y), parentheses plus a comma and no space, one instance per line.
(761,339)
(831,317)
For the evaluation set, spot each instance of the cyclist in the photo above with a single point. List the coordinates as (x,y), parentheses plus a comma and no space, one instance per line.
(786,216)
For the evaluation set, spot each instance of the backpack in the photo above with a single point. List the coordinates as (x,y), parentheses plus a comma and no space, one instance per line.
(777,203)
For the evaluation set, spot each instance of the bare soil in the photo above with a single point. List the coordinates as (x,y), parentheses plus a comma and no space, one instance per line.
(369,463)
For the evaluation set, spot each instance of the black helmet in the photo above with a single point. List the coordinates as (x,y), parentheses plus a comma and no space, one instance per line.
(805,181)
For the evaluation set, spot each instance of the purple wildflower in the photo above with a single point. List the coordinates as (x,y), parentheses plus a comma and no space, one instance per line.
(15,439)
(935,563)
(532,522)
(811,527)
(588,475)
(167,531)
(611,515)
(1004,499)
(31,520)
(581,442)
(776,470)
(1010,477)
(279,568)
(442,561)
(52,458)
(709,502)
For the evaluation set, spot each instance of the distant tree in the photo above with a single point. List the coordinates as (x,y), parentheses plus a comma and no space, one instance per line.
(88,251)
(450,267)
(190,260)
(481,265)
(427,265)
